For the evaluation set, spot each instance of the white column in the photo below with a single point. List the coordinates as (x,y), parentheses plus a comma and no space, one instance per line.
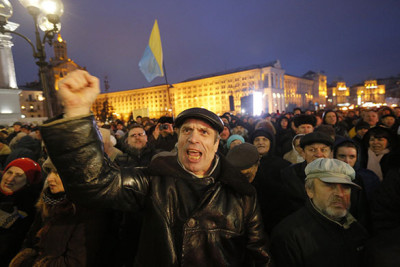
(10,110)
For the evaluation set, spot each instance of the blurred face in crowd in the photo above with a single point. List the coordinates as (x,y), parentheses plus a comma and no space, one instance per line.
(330,118)
(240,130)
(377,144)
(397,112)
(316,151)
(332,199)
(197,145)
(284,124)
(225,133)
(388,121)
(17,128)
(13,180)
(347,154)
(361,132)
(297,146)
(305,129)
(250,173)
(137,138)
(235,143)
(55,183)
(371,117)
(262,144)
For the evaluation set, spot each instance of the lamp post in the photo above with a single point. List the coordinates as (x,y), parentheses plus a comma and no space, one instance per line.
(46,16)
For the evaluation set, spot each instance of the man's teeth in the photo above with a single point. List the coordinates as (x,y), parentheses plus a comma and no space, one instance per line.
(193,154)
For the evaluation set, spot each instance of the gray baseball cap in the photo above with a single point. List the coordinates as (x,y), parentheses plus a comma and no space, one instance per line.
(331,171)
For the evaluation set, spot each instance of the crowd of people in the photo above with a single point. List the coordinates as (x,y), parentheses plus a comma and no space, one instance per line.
(300,188)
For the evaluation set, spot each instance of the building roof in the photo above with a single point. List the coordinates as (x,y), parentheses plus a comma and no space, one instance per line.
(275,64)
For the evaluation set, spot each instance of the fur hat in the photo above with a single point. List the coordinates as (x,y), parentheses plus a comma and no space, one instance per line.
(304,119)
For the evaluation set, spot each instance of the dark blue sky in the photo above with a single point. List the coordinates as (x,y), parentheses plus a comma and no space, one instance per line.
(349,39)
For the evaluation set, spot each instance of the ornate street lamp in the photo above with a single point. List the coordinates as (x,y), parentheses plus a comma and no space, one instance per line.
(46,16)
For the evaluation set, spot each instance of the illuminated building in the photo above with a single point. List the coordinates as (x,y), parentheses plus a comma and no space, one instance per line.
(338,95)
(60,65)
(31,101)
(369,93)
(250,90)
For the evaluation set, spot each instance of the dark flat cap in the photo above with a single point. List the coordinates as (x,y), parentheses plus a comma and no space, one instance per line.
(316,137)
(243,156)
(201,114)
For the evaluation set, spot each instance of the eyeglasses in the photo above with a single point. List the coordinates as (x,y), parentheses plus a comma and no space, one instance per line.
(137,135)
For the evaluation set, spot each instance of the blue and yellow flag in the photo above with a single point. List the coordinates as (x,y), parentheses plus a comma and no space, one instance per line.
(151,63)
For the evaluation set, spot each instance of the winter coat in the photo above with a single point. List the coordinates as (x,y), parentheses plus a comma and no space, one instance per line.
(212,221)
(134,157)
(64,234)
(307,238)
(295,196)
(12,237)
(383,249)
(269,188)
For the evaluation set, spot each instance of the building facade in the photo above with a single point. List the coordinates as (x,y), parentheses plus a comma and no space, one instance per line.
(251,90)
(338,95)
(368,93)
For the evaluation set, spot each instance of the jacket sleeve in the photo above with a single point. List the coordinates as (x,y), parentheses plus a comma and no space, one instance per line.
(75,148)
(257,240)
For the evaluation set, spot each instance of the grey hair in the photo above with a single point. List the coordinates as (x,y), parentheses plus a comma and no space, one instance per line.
(309,184)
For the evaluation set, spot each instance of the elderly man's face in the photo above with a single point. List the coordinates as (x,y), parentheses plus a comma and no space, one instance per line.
(304,129)
(137,138)
(371,117)
(240,130)
(197,145)
(225,133)
(316,151)
(13,180)
(333,200)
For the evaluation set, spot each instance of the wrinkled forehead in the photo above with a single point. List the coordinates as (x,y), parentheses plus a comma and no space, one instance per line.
(136,130)
(17,170)
(196,123)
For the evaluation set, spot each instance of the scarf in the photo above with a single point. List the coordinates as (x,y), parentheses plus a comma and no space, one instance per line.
(53,199)
(8,219)
(374,162)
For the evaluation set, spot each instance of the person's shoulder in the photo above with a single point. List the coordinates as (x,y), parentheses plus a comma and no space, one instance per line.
(291,224)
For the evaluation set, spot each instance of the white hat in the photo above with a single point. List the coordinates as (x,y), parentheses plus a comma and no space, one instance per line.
(331,171)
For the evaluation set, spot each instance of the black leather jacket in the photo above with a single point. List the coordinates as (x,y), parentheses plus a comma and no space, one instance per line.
(223,228)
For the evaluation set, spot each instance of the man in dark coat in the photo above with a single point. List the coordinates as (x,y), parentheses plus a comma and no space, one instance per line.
(383,249)
(314,145)
(268,180)
(198,209)
(137,151)
(323,233)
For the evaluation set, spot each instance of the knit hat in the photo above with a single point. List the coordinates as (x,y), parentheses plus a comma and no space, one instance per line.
(233,138)
(243,156)
(31,169)
(331,171)
(316,137)
(262,132)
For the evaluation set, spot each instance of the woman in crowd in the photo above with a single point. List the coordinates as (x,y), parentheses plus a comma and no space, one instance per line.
(19,189)
(330,117)
(63,234)
(379,155)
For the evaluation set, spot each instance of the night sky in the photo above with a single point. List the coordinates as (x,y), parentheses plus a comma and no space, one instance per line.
(351,40)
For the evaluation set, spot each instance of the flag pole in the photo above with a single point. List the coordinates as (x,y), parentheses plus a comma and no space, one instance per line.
(168,87)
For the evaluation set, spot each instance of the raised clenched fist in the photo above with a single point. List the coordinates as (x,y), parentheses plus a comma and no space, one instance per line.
(77,91)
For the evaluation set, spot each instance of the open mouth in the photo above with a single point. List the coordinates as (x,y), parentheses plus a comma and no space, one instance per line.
(193,154)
